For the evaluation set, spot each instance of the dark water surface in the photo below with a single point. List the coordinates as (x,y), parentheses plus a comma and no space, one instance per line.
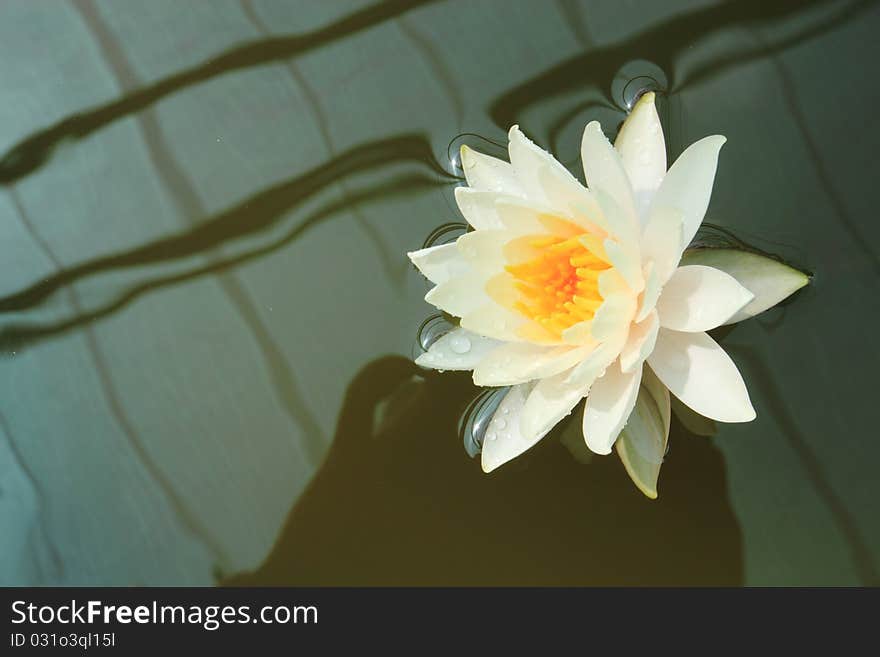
(208,317)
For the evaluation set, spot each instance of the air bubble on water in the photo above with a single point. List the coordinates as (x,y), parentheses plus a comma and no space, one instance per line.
(445,234)
(495,148)
(634,79)
(477,417)
(431,330)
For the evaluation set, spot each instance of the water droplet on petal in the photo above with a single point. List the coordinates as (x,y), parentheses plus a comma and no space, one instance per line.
(460,344)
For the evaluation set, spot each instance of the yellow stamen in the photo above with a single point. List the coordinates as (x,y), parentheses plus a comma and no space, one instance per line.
(558,286)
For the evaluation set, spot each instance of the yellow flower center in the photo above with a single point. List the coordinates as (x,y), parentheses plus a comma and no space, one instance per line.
(558,287)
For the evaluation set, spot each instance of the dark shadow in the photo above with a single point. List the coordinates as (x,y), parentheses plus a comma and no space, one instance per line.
(32,152)
(662,43)
(252,216)
(404,505)
(18,336)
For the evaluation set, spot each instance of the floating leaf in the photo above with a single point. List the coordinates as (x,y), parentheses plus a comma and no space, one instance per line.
(768,279)
(642,443)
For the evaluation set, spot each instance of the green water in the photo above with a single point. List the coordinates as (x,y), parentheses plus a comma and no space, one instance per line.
(208,318)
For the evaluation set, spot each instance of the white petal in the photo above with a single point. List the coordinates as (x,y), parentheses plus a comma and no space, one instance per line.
(640,343)
(609,403)
(567,195)
(487,173)
(643,151)
(524,217)
(697,424)
(661,241)
(478,207)
(550,401)
(770,280)
(604,170)
(439,263)
(527,159)
(702,375)
(642,442)
(459,296)
(580,334)
(611,282)
(484,249)
(503,440)
(613,316)
(518,362)
(595,364)
(651,293)
(626,261)
(459,349)
(687,185)
(699,298)
(494,321)
(619,224)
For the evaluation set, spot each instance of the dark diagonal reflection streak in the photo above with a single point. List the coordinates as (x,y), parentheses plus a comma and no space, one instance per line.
(662,43)
(33,151)
(248,218)
(18,336)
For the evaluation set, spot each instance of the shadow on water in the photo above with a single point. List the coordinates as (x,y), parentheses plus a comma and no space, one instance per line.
(402,504)
(32,152)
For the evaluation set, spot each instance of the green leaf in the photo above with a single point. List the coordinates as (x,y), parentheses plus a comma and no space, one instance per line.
(769,280)
(642,443)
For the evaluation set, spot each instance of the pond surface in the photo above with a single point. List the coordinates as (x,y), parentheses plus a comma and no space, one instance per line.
(208,318)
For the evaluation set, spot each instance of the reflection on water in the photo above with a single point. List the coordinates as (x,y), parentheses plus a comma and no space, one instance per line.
(289,154)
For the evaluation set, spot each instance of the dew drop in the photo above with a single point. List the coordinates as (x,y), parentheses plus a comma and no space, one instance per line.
(492,436)
(460,344)
(500,423)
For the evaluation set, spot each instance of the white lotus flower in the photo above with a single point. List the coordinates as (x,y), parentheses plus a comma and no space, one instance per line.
(566,293)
